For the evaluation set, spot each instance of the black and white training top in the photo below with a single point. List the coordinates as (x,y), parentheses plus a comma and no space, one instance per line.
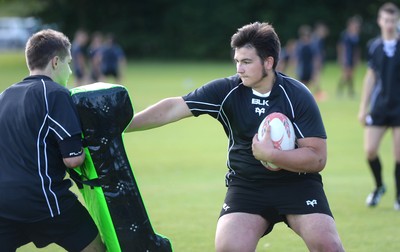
(384,60)
(240,110)
(39,126)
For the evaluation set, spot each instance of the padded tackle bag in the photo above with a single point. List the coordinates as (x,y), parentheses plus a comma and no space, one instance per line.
(106,179)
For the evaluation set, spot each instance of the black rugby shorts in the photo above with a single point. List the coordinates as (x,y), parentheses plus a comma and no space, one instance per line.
(274,202)
(73,230)
(383,119)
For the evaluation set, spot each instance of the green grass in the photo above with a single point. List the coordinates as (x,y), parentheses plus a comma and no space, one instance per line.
(180,167)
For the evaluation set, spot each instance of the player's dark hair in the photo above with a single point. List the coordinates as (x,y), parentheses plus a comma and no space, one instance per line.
(355,19)
(260,36)
(43,46)
(390,8)
(304,31)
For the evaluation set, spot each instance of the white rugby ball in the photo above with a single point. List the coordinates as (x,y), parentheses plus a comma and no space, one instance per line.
(282,134)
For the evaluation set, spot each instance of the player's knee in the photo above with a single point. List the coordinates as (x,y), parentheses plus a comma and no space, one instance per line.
(371,153)
(334,246)
(331,245)
(233,246)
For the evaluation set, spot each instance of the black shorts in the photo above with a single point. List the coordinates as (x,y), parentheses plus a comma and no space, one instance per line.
(274,202)
(382,119)
(73,231)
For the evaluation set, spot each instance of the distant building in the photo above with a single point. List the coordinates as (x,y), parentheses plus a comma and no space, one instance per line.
(15,31)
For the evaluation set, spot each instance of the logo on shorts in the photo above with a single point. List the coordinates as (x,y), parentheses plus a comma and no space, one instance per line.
(225,207)
(311,202)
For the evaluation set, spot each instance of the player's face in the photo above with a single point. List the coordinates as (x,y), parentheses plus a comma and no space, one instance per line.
(388,22)
(63,70)
(252,71)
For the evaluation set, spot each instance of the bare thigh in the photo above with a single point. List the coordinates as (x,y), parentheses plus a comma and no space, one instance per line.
(239,232)
(396,143)
(317,230)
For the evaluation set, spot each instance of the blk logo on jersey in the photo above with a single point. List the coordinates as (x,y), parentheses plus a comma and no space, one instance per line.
(259,102)
(260,111)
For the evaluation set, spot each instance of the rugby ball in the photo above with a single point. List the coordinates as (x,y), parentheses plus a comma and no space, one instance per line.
(282,134)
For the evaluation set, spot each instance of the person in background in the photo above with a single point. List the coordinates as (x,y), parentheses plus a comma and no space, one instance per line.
(286,57)
(78,52)
(305,56)
(40,140)
(113,59)
(380,100)
(348,53)
(94,52)
(320,33)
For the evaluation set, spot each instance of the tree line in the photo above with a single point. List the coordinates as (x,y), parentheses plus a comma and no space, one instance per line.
(193,29)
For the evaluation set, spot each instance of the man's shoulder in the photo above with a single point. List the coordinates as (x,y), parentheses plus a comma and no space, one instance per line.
(292,88)
(290,82)
(38,83)
(226,83)
(230,80)
(374,44)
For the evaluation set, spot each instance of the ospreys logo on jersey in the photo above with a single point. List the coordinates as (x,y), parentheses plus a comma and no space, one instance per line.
(258,110)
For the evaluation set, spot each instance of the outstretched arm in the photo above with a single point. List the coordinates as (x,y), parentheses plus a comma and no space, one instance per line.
(164,112)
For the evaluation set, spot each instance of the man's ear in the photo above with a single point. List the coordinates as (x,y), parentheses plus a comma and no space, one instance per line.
(54,62)
(269,62)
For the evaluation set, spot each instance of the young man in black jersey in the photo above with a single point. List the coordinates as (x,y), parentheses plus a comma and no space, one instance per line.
(257,198)
(41,138)
(380,101)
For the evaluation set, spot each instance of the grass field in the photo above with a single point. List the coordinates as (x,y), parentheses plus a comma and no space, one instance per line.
(180,167)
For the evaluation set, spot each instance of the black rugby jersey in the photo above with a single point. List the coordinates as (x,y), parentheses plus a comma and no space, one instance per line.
(385,97)
(240,110)
(37,118)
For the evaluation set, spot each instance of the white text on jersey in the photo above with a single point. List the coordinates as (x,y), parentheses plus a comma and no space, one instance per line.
(259,102)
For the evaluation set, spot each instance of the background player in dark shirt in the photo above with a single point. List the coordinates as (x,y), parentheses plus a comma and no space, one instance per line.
(380,101)
(78,51)
(41,138)
(305,56)
(112,59)
(320,33)
(257,197)
(348,54)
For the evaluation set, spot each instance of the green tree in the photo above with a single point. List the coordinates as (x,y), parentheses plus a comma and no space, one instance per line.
(195,29)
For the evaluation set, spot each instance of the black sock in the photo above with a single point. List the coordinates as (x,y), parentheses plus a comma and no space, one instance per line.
(376,169)
(397,179)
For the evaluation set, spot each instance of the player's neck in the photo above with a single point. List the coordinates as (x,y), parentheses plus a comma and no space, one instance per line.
(389,36)
(266,84)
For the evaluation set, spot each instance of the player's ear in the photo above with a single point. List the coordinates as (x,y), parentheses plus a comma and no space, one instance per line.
(54,62)
(269,62)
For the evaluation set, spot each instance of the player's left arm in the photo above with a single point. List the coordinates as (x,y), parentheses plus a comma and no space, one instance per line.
(72,162)
(72,152)
(310,156)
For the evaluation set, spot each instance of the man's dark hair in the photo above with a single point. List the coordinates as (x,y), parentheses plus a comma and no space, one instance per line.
(260,36)
(390,8)
(43,46)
